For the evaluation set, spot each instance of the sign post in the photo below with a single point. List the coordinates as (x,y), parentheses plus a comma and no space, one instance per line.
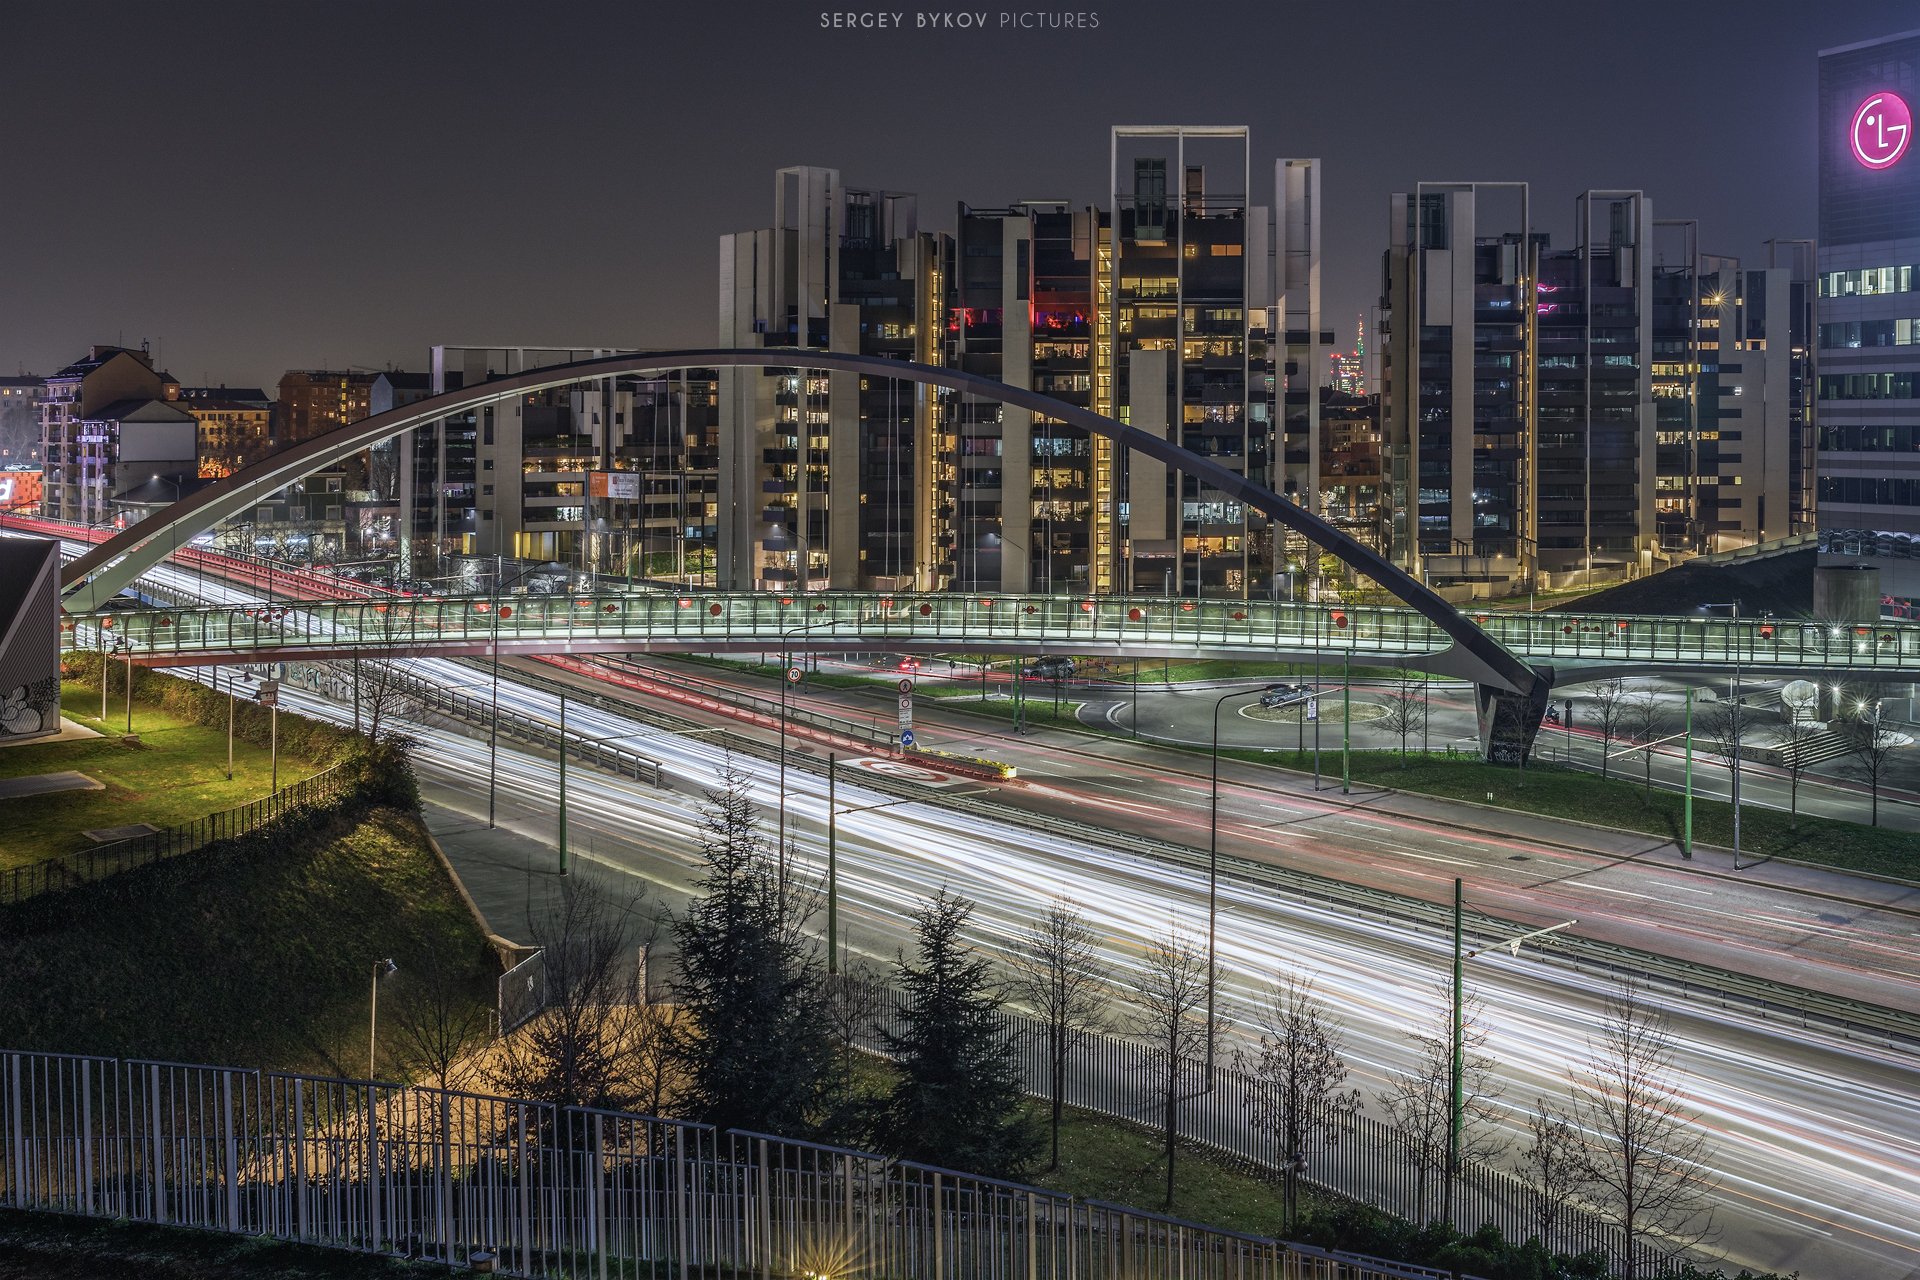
(906,711)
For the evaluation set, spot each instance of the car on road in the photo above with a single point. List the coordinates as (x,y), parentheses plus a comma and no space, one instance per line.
(1280,695)
(1051,667)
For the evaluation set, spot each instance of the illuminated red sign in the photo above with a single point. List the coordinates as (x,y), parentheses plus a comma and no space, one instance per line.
(19,489)
(1882,126)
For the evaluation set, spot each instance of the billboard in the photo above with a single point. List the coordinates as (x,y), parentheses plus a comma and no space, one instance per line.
(1869,172)
(19,490)
(619,486)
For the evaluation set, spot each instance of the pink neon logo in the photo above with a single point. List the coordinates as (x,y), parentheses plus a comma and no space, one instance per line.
(1882,126)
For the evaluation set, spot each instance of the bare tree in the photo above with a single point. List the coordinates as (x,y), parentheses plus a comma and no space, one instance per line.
(1554,1162)
(435,1018)
(647,1056)
(856,1000)
(1172,998)
(1406,714)
(572,1053)
(1608,705)
(1729,728)
(1418,1100)
(1646,1153)
(1869,751)
(1790,741)
(1296,1094)
(1644,719)
(1057,974)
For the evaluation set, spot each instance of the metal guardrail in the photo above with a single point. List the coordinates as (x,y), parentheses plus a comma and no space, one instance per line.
(870,732)
(563,1192)
(83,866)
(623,761)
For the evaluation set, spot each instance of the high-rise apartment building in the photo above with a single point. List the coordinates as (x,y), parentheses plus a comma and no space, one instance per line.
(1184,270)
(20,420)
(313,401)
(834,479)
(1457,376)
(1582,415)
(1868,390)
(108,422)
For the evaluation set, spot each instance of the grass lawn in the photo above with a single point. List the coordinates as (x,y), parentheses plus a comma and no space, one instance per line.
(34,1245)
(246,956)
(177,773)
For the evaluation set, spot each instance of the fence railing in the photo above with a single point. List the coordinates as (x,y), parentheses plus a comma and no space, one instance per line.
(1358,1156)
(82,866)
(561,1192)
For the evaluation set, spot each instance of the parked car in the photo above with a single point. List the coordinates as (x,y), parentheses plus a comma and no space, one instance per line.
(1051,667)
(1281,695)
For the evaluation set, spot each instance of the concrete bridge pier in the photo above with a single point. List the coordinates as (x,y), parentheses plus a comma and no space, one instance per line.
(1509,721)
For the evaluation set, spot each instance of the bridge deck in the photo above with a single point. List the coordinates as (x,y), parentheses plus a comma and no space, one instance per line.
(705,620)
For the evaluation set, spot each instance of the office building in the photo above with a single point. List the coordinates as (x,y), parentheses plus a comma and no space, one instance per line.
(1868,341)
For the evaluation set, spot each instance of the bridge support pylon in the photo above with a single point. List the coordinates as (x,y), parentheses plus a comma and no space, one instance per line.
(1509,721)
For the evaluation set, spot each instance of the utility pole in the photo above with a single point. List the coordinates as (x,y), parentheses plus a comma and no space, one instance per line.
(563,784)
(1456,1115)
(1346,723)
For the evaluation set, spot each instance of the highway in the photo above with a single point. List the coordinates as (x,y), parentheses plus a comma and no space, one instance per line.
(1629,889)
(1818,1141)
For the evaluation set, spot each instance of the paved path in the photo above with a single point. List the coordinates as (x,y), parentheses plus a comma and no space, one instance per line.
(41,784)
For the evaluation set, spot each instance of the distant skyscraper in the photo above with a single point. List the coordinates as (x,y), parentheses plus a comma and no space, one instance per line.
(1348,369)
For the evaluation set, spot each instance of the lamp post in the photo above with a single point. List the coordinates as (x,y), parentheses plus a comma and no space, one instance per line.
(229,675)
(381,969)
(1457,1089)
(1737,724)
(1686,835)
(493,710)
(1213,862)
(786,663)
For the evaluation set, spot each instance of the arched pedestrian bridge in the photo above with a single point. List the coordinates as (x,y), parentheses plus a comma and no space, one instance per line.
(1509,671)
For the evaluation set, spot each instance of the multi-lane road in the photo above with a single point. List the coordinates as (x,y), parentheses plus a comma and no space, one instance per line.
(1817,1142)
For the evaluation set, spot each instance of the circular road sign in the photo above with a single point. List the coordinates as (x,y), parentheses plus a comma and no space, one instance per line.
(794,674)
(906,685)
(906,737)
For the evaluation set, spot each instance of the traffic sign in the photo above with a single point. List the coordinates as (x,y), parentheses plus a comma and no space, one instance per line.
(269,695)
(906,737)
(906,685)
(794,674)
(906,702)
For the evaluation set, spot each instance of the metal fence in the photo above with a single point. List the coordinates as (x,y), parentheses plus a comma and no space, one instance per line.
(290,803)
(558,1192)
(334,682)
(1358,1157)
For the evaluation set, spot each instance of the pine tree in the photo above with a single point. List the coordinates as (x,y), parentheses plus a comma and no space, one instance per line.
(958,1101)
(756,1051)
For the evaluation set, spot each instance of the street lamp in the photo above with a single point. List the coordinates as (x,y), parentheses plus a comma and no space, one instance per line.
(1737,725)
(786,659)
(1456,1110)
(1213,859)
(381,969)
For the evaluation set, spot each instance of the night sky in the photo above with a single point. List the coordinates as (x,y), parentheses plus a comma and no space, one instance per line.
(270,185)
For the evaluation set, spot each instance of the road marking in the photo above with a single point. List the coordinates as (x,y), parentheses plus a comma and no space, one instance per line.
(1683,888)
(1428,857)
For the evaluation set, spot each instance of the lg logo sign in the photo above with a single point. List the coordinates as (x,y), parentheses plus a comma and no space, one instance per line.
(1881,127)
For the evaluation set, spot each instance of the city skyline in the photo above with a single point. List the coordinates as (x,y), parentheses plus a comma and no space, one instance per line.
(376,194)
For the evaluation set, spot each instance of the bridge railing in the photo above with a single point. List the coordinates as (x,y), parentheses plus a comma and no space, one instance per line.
(1094,624)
